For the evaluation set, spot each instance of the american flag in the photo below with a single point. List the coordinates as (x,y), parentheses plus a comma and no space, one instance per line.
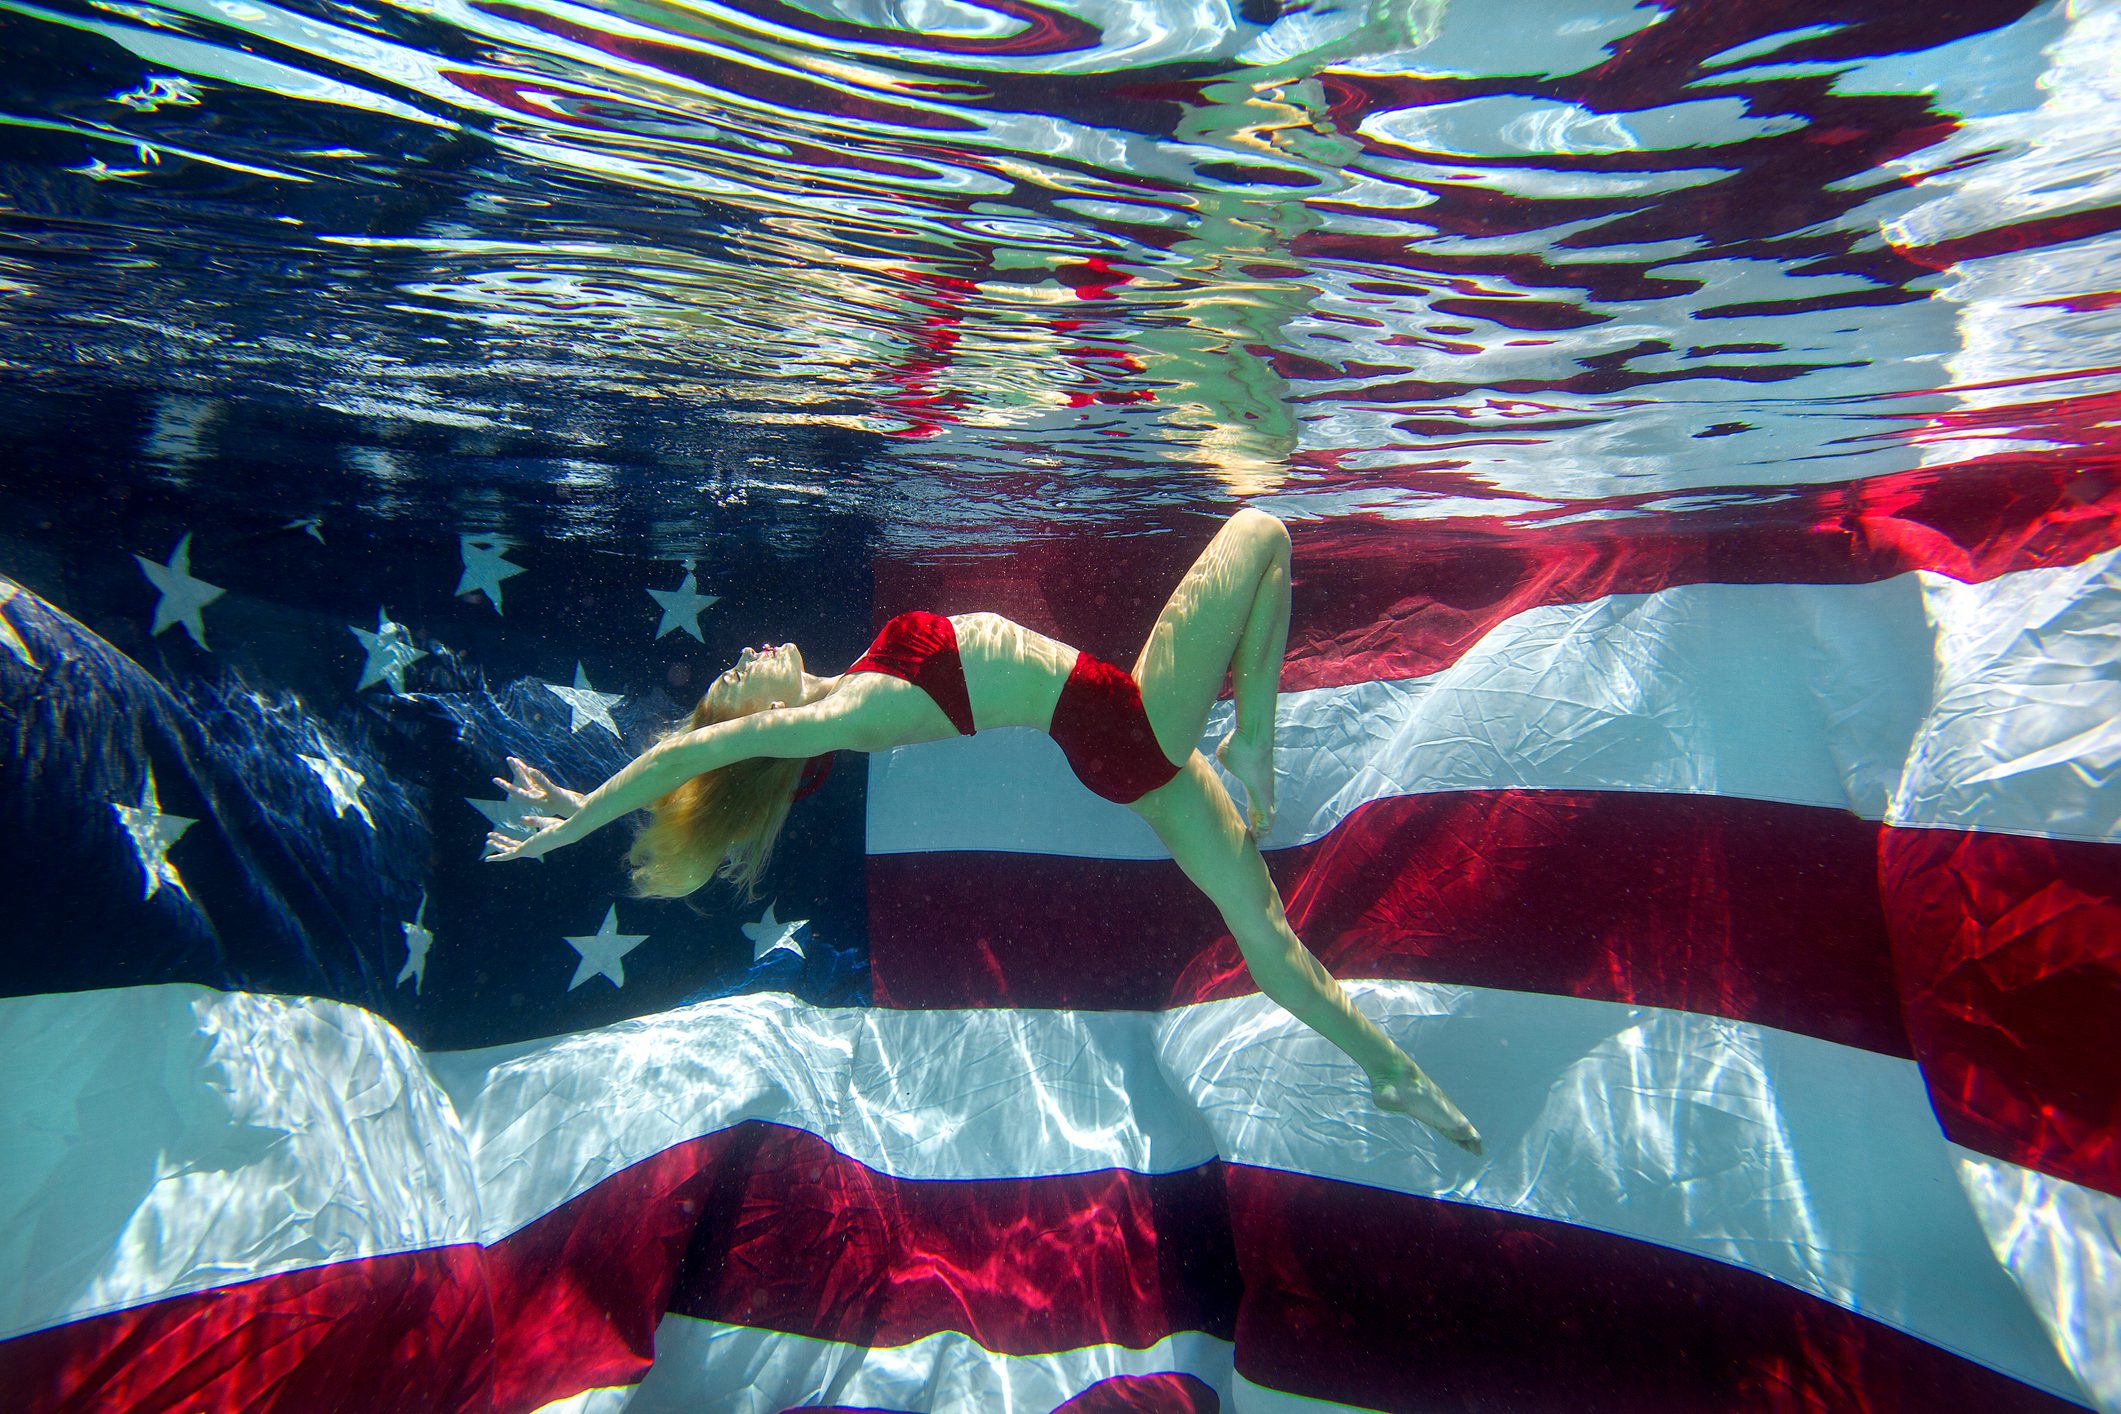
(1745,872)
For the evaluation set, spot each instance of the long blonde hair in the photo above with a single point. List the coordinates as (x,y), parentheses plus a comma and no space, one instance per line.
(718,825)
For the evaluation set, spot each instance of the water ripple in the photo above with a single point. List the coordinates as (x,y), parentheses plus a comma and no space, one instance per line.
(1408,258)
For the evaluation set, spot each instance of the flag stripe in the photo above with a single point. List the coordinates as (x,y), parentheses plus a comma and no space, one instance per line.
(1388,599)
(1813,1164)
(1746,909)
(1909,700)
(408,1331)
(801,1239)
(2008,955)
(1796,693)
(1349,1293)
(745,1370)
(2061,1242)
(1993,959)
(1380,598)
(1369,1298)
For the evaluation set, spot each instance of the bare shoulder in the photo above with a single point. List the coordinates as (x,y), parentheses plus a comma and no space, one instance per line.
(875,712)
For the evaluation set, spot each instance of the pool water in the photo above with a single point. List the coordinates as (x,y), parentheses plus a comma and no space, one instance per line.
(1697,431)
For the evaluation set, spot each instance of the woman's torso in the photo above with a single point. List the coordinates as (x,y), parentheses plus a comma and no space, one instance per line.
(1006,674)
(1013,674)
(926,677)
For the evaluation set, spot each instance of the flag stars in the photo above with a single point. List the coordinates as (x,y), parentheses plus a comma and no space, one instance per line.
(604,951)
(485,567)
(390,652)
(682,606)
(153,832)
(418,940)
(343,783)
(585,704)
(506,814)
(770,933)
(183,597)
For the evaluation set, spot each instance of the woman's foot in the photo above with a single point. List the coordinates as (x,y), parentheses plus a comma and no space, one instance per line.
(1409,1091)
(1253,765)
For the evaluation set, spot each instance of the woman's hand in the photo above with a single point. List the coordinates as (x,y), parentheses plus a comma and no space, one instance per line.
(534,787)
(501,846)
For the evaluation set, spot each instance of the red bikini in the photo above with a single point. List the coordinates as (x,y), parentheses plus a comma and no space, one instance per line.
(1098,721)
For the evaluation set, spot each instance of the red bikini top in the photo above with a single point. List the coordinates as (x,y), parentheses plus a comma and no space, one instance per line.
(921,648)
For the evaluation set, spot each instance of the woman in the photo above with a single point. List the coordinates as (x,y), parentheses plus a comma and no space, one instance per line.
(720,788)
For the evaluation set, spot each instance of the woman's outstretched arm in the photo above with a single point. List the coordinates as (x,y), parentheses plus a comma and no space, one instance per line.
(1199,824)
(833,724)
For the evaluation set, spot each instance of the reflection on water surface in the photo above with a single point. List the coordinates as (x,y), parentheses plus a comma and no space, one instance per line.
(938,259)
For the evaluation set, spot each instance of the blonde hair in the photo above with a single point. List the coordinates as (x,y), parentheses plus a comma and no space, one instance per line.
(722,824)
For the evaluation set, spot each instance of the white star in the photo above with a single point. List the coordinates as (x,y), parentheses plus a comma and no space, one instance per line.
(313,524)
(344,783)
(182,596)
(153,833)
(418,939)
(604,950)
(484,569)
(586,703)
(506,813)
(390,652)
(770,933)
(682,606)
(10,639)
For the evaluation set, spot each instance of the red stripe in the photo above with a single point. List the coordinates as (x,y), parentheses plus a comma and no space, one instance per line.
(1764,912)
(798,1238)
(1382,599)
(1331,1290)
(567,1304)
(2009,954)
(1370,1297)
(410,1332)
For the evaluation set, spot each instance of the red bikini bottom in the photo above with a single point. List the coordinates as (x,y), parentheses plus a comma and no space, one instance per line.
(1105,734)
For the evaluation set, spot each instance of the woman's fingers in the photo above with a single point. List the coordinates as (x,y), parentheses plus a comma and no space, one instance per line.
(526,782)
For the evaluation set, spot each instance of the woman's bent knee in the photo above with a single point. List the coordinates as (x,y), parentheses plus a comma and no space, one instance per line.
(1263,530)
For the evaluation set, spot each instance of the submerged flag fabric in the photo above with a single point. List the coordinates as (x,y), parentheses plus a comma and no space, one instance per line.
(1748,874)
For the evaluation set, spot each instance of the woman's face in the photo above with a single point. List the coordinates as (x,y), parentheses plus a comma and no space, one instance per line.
(762,676)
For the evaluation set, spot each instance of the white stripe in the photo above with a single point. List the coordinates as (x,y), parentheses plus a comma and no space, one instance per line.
(1809,694)
(169,1139)
(2061,1242)
(708,1365)
(607,1399)
(1812,1163)
(2026,731)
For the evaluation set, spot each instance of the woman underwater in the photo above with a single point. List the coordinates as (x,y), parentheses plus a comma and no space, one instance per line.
(719,788)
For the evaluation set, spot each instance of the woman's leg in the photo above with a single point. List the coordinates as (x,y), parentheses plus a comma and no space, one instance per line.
(1197,823)
(1229,615)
